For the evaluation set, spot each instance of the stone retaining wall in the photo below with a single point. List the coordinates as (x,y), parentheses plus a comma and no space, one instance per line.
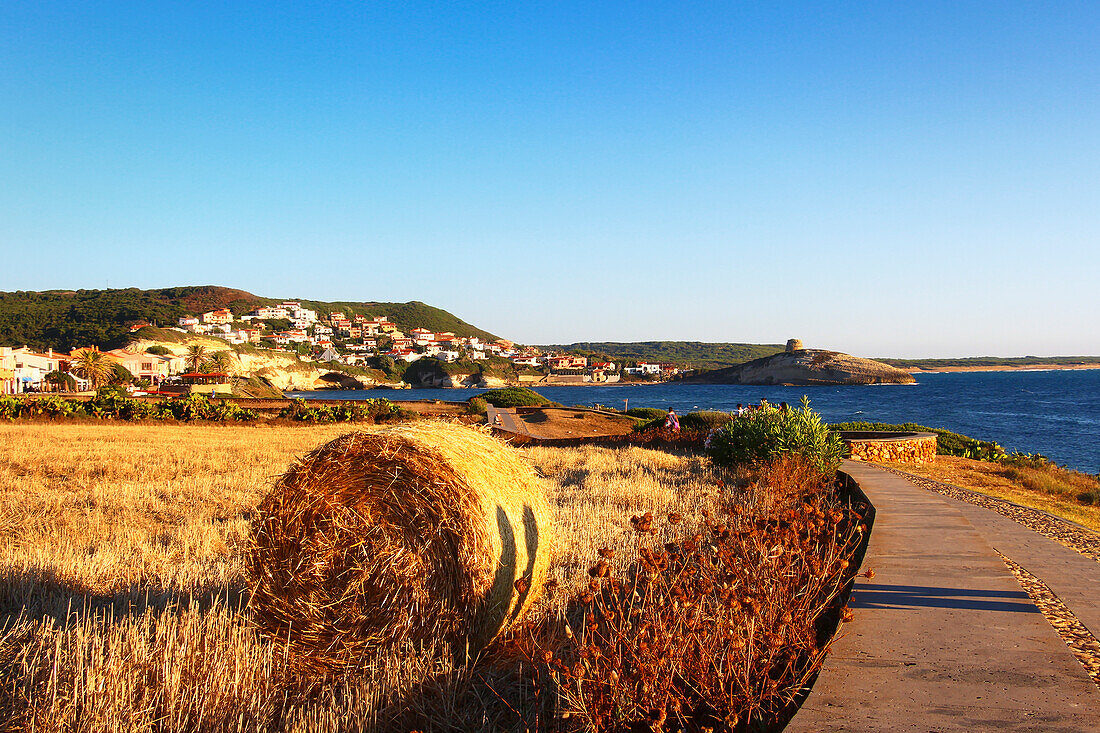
(914,448)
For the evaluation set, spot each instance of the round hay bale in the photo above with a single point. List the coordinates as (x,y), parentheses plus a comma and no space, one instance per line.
(424,533)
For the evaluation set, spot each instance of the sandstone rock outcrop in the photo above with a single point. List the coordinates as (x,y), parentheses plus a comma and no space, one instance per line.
(807,367)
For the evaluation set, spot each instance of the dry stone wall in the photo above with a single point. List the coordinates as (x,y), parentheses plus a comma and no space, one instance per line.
(916,448)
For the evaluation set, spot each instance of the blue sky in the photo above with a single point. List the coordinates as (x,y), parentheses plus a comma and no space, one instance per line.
(886,179)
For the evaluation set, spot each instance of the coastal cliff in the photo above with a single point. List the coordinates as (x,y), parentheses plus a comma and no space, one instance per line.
(806,367)
(283,371)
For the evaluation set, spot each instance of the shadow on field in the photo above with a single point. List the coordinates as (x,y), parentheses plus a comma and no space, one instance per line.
(484,696)
(41,593)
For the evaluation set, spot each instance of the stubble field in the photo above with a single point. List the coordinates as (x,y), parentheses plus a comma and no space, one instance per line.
(122,574)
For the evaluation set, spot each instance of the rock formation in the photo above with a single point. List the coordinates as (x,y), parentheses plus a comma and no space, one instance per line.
(806,367)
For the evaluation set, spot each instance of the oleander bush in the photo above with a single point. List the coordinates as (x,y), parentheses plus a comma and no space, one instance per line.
(770,432)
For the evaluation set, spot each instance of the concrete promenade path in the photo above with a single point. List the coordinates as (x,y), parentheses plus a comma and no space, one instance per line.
(944,637)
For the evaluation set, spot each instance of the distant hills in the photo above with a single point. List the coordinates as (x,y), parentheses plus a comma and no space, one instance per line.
(971,362)
(695,354)
(64,319)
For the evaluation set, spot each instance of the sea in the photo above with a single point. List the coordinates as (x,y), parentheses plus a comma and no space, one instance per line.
(1053,412)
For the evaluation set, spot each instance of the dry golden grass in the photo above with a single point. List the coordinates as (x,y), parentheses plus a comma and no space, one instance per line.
(122,578)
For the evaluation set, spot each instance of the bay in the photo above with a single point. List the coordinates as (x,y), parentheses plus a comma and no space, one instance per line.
(1054,412)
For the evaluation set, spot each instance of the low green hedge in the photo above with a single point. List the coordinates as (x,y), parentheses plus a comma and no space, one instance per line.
(647,413)
(110,404)
(515,397)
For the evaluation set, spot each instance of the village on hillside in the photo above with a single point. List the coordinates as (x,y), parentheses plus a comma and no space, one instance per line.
(334,340)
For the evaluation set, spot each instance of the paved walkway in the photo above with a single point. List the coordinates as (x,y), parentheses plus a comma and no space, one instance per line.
(944,637)
(503,418)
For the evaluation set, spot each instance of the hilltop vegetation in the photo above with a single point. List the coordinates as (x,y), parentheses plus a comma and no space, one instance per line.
(696,354)
(65,319)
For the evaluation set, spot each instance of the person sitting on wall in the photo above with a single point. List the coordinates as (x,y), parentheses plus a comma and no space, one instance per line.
(672,422)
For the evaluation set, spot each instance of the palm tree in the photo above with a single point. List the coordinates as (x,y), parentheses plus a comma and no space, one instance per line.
(219,361)
(95,366)
(196,357)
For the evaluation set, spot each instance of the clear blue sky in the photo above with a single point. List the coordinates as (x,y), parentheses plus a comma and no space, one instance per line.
(886,179)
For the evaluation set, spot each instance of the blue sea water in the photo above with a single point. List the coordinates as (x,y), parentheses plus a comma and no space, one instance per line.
(1056,412)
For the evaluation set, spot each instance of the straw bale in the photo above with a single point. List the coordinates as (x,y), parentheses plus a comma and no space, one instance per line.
(421,533)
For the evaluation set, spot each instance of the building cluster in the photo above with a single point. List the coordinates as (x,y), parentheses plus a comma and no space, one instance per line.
(332,338)
(25,370)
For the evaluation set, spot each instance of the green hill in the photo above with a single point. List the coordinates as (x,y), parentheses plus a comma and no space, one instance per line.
(64,319)
(694,354)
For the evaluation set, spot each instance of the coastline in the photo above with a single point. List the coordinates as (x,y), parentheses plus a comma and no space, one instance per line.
(1003,368)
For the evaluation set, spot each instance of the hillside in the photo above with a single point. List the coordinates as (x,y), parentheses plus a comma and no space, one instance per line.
(64,319)
(694,354)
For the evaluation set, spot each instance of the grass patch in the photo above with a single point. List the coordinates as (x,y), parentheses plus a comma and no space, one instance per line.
(1036,488)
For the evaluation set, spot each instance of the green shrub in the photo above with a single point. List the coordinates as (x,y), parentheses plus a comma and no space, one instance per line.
(704,420)
(109,402)
(477,406)
(768,433)
(55,406)
(226,411)
(191,407)
(515,397)
(10,407)
(647,413)
(132,409)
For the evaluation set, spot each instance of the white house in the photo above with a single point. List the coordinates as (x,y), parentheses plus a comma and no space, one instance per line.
(222,315)
(153,367)
(644,368)
(270,313)
(22,368)
(405,355)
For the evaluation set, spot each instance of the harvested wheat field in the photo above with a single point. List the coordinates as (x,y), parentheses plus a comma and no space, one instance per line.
(125,584)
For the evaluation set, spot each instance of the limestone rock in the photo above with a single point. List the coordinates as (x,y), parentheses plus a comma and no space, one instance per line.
(807,367)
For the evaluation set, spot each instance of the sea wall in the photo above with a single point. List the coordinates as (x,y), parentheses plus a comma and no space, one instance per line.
(878,447)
